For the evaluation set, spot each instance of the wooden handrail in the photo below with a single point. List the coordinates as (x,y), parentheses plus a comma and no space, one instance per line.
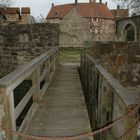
(14,78)
(115,85)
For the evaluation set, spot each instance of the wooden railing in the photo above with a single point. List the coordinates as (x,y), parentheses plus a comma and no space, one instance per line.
(105,97)
(138,132)
(39,73)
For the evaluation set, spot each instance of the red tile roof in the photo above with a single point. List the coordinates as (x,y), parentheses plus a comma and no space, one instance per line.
(10,10)
(85,9)
(15,10)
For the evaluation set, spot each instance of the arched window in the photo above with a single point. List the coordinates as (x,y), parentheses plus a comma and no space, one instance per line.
(129,32)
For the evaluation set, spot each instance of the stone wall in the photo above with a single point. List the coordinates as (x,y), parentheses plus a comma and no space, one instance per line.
(122,27)
(21,43)
(121,59)
(74,30)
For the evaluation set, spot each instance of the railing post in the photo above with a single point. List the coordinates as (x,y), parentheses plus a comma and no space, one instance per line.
(7,113)
(47,71)
(138,132)
(57,57)
(36,85)
(2,114)
(12,110)
(49,64)
(81,67)
(54,62)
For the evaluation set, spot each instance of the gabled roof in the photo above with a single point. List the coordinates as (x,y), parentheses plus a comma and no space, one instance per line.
(85,9)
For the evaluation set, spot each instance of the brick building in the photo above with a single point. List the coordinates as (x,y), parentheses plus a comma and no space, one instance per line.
(15,15)
(97,15)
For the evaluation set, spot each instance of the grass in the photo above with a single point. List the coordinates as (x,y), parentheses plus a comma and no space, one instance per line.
(69,54)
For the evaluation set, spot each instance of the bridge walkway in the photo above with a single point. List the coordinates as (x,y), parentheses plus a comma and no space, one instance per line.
(62,111)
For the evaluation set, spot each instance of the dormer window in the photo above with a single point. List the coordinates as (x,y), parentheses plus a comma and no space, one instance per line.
(56,13)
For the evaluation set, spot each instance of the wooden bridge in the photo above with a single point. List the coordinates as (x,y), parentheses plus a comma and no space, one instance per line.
(45,99)
(62,111)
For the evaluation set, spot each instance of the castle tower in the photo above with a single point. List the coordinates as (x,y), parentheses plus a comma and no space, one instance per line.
(91,1)
(25,11)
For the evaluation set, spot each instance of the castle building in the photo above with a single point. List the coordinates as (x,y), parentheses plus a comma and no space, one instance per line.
(15,15)
(97,15)
(120,13)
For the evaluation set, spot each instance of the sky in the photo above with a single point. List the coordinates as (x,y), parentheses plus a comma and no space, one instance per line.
(42,7)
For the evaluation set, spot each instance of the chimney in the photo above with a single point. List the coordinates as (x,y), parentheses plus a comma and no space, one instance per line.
(76,1)
(118,7)
(100,1)
(106,3)
(52,4)
(91,1)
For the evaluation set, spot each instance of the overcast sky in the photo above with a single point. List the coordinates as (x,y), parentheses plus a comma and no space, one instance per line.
(43,6)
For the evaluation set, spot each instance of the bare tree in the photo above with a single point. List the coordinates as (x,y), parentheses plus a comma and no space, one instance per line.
(6,3)
(122,3)
(40,19)
(133,5)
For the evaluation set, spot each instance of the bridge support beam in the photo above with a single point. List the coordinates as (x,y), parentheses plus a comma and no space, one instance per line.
(6,112)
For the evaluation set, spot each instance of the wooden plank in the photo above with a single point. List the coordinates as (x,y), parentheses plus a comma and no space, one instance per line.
(36,84)
(23,102)
(12,111)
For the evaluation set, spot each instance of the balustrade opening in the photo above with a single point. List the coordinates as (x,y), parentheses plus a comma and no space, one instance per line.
(19,93)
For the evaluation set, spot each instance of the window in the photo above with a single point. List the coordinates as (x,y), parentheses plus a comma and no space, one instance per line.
(56,13)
